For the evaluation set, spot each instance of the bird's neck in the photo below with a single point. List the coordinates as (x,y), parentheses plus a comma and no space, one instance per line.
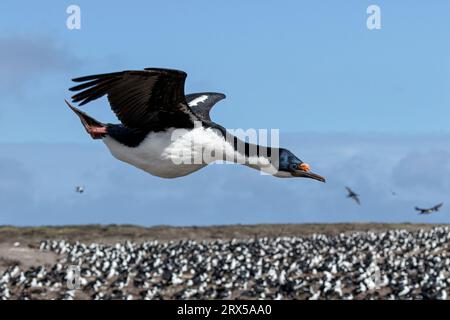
(262,158)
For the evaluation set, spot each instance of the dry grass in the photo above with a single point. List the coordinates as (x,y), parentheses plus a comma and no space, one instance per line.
(114,233)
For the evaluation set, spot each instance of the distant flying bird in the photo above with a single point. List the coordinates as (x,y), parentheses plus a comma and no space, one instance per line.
(165,132)
(429,210)
(79,189)
(351,194)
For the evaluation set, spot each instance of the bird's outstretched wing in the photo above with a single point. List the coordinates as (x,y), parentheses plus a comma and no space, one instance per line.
(353,195)
(437,207)
(140,98)
(422,211)
(202,103)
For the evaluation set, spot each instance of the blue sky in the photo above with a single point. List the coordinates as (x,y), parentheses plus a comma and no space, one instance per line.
(367,108)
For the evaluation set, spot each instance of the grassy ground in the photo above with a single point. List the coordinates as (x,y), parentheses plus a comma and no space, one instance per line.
(114,233)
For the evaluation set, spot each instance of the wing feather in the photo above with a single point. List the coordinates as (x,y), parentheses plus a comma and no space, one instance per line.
(139,98)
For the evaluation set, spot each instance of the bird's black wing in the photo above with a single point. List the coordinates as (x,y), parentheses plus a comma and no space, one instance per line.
(201,103)
(140,98)
(351,193)
(437,207)
(422,211)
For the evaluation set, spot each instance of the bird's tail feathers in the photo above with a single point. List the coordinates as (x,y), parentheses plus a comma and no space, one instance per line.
(87,121)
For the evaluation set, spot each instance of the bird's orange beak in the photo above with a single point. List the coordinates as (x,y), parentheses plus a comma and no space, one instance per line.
(304,171)
(304,167)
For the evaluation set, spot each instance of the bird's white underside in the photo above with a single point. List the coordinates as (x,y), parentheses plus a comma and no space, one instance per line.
(178,152)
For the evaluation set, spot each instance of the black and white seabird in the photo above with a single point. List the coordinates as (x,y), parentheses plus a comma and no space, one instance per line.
(429,210)
(167,133)
(353,195)
(79,189)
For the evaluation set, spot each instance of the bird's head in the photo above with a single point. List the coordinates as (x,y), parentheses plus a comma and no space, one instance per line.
(290,165)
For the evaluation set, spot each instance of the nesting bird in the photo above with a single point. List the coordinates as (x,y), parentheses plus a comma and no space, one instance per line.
(396,264)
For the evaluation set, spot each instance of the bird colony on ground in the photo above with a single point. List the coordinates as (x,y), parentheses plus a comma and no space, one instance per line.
(362,265)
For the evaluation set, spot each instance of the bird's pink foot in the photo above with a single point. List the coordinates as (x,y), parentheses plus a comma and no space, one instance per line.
(96,132)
